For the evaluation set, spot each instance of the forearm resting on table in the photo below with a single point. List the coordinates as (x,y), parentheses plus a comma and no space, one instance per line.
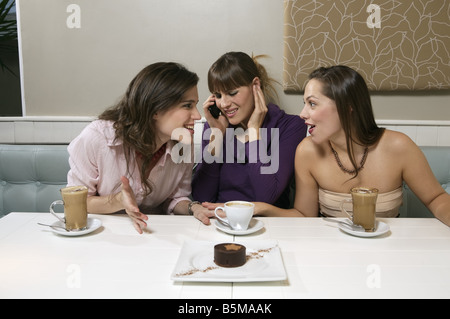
(181,208)
(268,210)
(440,207)
(104,204)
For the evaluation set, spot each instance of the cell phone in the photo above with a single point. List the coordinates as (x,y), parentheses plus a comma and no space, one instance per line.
(214,110)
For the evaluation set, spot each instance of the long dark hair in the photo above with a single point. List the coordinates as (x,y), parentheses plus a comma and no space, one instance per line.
(156,88)
(349,91)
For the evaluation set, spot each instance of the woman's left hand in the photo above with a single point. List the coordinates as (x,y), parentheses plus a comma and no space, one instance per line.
(257,118)
(131,207)
(203,212)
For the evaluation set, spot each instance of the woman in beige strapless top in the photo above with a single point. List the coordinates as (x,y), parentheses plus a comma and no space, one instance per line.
(347,149)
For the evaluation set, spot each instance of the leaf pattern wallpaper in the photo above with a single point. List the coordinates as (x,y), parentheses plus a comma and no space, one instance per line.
(394,44)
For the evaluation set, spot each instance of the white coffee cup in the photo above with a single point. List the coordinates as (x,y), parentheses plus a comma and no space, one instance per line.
(239,213)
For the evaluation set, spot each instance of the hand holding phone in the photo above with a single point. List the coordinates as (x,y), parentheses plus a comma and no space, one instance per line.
(214,110)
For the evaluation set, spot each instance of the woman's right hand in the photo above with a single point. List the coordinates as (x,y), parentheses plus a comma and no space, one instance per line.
(221,123)
(129,203)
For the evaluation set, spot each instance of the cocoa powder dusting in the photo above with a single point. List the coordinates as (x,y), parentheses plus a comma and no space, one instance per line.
(195,270)
(258,254)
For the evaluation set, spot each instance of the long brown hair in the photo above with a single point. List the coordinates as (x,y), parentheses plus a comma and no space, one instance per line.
(156,88)
(235,69)
(349,91)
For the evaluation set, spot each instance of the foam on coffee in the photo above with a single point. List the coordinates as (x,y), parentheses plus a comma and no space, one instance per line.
(364,190)
(242,205)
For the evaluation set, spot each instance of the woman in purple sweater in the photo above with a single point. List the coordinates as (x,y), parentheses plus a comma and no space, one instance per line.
(248,150)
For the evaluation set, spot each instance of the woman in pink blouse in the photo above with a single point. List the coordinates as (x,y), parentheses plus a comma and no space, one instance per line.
(125,157)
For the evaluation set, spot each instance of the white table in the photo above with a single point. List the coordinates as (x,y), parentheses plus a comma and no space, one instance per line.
(321,261)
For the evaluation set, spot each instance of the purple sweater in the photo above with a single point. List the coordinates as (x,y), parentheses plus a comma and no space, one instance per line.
(250,177)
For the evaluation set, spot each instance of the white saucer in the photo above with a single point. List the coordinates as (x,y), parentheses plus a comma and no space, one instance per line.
(381,228)
(92,225)
(253,227)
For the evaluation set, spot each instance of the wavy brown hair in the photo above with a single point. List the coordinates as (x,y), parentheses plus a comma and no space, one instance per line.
(349,91)
(156,88)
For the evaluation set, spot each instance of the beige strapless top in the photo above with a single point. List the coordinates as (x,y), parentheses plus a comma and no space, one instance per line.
(388,204)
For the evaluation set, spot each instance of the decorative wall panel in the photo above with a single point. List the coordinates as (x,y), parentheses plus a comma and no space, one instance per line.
(394,44)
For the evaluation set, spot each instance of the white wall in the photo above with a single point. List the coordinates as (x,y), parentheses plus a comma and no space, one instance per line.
(80,71)
(70,75)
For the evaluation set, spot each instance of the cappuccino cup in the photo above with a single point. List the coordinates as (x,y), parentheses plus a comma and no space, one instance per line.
(75,207)
(364,207)
(238,214)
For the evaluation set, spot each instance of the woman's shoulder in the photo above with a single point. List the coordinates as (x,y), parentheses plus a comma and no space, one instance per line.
(309,150)
(395,141)
(291,127)
(98,131)
(279,116)
(97,127)
(397,146)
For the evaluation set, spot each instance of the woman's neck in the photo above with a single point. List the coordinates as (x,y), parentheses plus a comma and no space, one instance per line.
(340,145)
(159,143)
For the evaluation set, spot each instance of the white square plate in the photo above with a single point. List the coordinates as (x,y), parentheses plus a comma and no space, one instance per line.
(196,263)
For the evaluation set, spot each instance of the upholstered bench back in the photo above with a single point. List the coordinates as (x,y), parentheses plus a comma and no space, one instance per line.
(31,176)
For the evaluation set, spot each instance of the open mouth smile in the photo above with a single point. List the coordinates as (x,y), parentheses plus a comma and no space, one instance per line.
(231,113)
(190,127)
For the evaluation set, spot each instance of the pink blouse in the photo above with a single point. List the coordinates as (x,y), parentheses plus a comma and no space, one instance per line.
(98,161)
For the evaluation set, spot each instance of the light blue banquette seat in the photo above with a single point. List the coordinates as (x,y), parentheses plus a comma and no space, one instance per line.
(32,175)
(439,159)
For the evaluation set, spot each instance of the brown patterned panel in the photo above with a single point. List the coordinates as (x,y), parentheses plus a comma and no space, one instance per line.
(395,44)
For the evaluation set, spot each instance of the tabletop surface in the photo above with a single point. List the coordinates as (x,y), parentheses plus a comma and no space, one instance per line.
(412,260)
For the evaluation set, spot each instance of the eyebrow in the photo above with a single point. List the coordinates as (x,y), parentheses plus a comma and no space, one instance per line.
(190,101)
